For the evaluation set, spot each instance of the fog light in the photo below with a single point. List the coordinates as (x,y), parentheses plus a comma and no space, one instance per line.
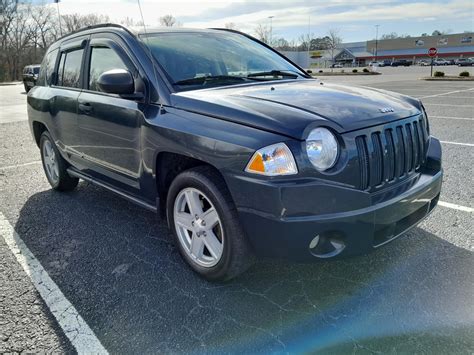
(314,242)
(327,245)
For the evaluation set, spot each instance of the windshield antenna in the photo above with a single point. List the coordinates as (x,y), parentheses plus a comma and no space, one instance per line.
(148,46)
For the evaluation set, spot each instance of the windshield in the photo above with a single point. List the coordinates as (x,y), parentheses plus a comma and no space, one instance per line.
(36,70)
(194,60)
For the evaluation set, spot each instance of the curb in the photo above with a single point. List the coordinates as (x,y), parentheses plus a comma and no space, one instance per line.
(11,83)
(447,78)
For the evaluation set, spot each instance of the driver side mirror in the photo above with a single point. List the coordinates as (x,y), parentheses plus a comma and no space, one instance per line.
(116,81)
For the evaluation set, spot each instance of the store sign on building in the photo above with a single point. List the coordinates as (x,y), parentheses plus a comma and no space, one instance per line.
(442,42)
(419,43)
(466,39)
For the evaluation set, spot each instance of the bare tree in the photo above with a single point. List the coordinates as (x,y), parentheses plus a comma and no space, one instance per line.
(74,22)
(18,40)
(231,26)
(333,42)
(168,21)
(262,32)
(130,22)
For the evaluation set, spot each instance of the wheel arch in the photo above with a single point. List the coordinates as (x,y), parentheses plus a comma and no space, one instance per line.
(168,165)
(38,128)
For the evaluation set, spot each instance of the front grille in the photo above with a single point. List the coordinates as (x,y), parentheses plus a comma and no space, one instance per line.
(392,153)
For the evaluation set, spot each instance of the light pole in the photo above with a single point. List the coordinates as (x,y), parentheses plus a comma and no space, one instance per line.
(271,29)
(376,40)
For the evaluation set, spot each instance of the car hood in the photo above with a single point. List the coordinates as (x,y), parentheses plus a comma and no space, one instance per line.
(293,108)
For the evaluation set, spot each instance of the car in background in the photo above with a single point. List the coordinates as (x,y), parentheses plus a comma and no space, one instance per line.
(441,62)
(401,63)
(337,65)
(465,62)
(30,76)
(424,63)
(378,63)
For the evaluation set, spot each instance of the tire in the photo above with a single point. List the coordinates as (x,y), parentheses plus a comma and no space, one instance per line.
(236,255)
(56,174)
(26,88)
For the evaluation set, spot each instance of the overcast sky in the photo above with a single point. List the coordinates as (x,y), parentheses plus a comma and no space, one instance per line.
(354,19)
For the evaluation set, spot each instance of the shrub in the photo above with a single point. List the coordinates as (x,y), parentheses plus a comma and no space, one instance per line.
(342,71)
(438,74)
(320,71)
(354,70)
(365,70)
(464,73)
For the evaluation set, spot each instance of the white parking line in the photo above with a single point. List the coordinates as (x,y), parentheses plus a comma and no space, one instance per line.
(457,143)
(10,167)
(74,326)
(452,118)
(456,207)
(446,93)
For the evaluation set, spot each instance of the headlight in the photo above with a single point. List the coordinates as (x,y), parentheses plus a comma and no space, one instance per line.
(273,160)
(322,148)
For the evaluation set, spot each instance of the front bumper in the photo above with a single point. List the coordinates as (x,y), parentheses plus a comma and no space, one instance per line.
(308,220)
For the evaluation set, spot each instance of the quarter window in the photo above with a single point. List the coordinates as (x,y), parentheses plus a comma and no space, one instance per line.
(47,68)
(70,69)
(102,60)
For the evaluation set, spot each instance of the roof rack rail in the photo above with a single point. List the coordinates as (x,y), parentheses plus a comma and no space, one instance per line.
(101,25)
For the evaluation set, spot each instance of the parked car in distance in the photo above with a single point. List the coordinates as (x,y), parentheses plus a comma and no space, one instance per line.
(424,63)
(465,62)
(401,62)
(30,75)
(337,65)
(377,64)
(243,154)
(441,62)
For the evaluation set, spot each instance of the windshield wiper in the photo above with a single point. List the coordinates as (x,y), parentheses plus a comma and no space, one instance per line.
(283,73)
(205,79)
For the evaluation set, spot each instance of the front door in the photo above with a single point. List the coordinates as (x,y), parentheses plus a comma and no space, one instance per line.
(108,125)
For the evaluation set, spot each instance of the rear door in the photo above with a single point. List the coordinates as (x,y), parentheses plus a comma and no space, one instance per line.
(109,125)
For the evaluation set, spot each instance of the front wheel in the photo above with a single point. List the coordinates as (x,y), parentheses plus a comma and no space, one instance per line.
(55,167)
(205,225)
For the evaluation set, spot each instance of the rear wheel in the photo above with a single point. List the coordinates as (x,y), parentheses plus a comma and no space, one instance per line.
(205,225)
(55,167)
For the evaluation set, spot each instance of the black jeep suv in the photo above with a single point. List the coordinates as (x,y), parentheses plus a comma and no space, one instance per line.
(241,150)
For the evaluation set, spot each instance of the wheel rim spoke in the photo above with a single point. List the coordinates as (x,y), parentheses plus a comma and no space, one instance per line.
(185,220)
(213,244)
(197,246)
(194,204)
(210,217)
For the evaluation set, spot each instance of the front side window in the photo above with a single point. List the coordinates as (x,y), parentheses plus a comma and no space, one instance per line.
(103,59)
(69,70)
(47,68)
(194,60)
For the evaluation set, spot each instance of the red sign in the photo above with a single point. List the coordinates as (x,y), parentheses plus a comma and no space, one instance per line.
(432,51)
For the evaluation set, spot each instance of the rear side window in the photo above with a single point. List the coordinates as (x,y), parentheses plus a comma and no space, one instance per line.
(102,60)
(47,68)
(69,70)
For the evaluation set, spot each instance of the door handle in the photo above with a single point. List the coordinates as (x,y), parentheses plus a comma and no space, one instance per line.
(85,108)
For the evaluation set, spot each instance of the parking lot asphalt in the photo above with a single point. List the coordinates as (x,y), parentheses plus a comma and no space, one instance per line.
(116,265)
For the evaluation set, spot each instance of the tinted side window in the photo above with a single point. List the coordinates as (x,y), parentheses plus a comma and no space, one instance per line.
(102,60)
(47,68)
(70,70)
